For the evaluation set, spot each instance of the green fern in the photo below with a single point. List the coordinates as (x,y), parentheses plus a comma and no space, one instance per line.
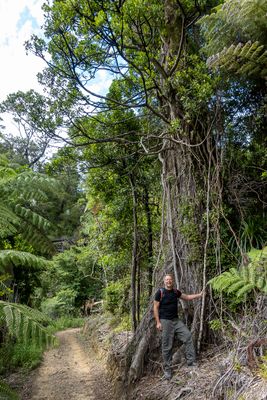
(6,393)
(25,323)
(235,34)
(34,228)
(235,286)
(249,59)
(243,281)
(21,258)
(31,217)
(20,194)
(6,172)
(8,221)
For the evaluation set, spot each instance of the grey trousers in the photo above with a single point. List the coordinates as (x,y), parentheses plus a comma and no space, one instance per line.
(170,328)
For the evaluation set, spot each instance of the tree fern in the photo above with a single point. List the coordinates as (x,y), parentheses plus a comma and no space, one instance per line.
(25,323)
(35,219)
(236,37)
(20,258)
(34,229)
(20,195)
(249,59)
(6,172)
(247,278)
(8,221)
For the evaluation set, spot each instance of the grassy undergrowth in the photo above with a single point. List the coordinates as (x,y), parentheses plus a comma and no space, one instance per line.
(18,354)
(65,323)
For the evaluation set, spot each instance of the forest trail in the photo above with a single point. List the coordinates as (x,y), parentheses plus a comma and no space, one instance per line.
(69,372)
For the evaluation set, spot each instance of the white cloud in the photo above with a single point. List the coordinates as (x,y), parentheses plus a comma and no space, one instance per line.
(101,83)
(19,19)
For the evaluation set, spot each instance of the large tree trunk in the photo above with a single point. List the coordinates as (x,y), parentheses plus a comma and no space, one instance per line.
(184,257)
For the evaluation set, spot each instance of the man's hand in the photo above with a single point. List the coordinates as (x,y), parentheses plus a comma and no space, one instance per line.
(159,327)
(194,296)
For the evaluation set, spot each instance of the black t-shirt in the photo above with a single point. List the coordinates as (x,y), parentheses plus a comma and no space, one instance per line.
(168,308)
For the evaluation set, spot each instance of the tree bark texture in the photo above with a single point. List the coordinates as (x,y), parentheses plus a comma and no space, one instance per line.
(187,240)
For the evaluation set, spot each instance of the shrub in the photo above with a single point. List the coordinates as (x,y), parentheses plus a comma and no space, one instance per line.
(117,297)
(60,305)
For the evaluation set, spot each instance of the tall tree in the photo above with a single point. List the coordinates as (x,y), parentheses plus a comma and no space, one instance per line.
(154,47)
(36,125)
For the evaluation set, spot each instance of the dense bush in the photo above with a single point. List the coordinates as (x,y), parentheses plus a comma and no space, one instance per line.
(117,297)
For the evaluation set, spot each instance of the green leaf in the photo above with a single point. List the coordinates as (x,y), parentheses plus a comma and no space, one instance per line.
(21,258)
(6,393)
(245,289)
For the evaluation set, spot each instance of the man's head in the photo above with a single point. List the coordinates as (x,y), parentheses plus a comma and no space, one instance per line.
(168,281)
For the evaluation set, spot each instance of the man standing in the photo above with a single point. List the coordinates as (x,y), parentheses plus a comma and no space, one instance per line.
(166,316)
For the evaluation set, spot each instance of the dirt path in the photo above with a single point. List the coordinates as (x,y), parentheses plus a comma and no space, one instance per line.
(69,372)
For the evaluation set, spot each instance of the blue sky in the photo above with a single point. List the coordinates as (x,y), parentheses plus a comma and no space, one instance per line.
(26,16)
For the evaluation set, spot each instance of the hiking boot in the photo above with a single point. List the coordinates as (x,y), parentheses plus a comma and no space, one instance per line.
(168,375)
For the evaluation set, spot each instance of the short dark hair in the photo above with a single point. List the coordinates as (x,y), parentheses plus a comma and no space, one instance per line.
(171,275)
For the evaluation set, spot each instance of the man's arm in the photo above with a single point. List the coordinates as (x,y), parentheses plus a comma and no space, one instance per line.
(191,296)
(156,314)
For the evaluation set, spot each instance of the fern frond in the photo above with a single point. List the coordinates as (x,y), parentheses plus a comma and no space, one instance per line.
(233,23)
(6,393)
(29,186)
(261,282)
(25,323)
(37,181)
(249,58)
(21,258)
(37,239)
(235,286)
(256,255)
(244,272)
(226,279)
(8,221)
(241,282)
(15,217)
(6,174)
(252,275)
(33,218)
(245,289)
